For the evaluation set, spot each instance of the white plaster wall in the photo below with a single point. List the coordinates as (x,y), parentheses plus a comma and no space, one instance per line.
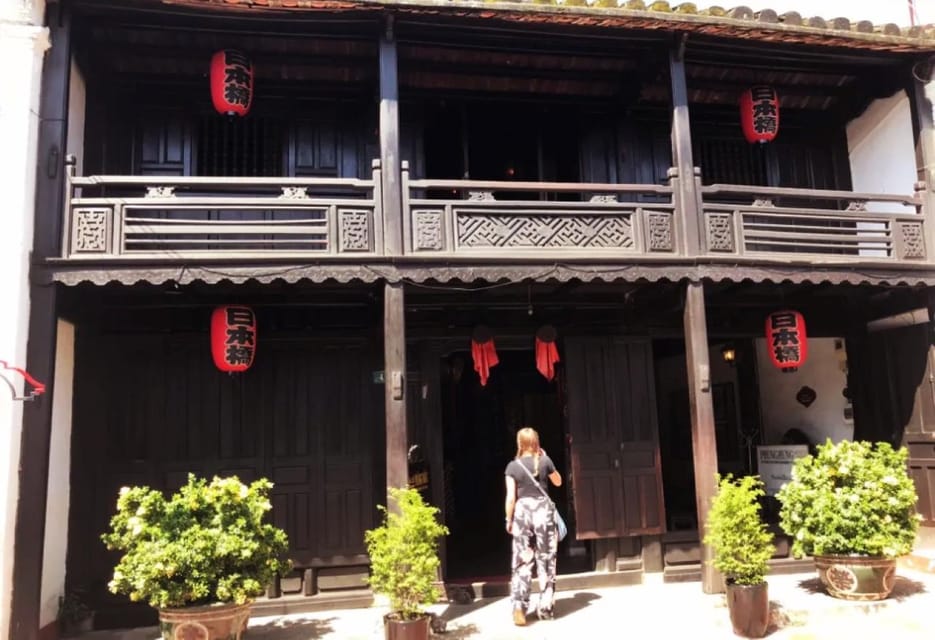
(77,102)
(882,152)
(56,513)
(23,42)
(883,160)
(825,372)
(56,535)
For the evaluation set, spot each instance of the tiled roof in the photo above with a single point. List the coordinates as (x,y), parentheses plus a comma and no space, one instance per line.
(738,22)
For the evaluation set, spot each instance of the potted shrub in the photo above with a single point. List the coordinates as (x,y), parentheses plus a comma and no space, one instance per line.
(199,556)
(852,507)
(74,615)
(742,547)
(404,563)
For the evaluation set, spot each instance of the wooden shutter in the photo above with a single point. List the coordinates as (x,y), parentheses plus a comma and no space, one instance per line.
(616,467)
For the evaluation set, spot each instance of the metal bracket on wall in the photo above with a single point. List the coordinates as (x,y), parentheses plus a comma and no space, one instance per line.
(38,388)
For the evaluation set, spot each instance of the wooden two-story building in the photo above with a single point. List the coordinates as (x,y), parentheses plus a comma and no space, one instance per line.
(413,175)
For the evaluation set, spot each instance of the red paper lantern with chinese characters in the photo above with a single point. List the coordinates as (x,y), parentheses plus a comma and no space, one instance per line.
(759,114)
(786,340)
(231,82)
(233,338)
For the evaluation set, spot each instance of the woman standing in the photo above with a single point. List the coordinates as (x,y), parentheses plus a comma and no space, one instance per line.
(530,516)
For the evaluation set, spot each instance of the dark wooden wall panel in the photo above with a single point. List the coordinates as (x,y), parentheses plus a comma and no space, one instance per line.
(149,410)
(164,143)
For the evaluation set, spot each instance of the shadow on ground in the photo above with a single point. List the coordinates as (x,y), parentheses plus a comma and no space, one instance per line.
(782,618)
(902,589)
(292,629)
(567,606)
(458,632)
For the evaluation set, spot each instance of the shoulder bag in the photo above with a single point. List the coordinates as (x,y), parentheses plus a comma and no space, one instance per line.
(559,522)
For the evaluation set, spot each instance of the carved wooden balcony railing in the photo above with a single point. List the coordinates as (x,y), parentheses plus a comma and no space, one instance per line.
(150,217)
(511,220)
(812,225)
(164,218)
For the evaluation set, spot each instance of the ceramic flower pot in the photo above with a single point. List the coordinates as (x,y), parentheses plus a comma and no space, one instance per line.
(857,577)
(397,629)
(226,621)
(748,606)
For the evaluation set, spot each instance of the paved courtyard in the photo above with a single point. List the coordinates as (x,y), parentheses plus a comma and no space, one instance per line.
(800,611)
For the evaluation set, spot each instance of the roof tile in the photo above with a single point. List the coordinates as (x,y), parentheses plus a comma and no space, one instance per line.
(736,22)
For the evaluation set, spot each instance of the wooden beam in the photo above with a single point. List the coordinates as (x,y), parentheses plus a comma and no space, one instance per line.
(389,143)
(923,130)
(394,371)
(29,533)
(704,446)
(687,198)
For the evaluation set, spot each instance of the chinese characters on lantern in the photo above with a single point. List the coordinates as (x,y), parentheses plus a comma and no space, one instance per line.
(231,82)
(759,113)
(786,340)
(233,338)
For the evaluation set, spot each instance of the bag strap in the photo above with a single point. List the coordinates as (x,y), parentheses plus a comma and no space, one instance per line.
(533,478)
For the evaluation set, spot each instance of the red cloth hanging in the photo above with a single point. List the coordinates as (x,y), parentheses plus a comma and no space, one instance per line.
(485,357)
(546,357)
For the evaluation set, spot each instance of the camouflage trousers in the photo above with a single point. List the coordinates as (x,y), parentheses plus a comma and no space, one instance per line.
(535,542)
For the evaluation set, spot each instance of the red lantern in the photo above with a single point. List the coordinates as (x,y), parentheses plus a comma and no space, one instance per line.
(786,339)
(759,114)
(233,338)
(231,82)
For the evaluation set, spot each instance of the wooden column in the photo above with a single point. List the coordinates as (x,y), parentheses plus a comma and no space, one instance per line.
(389,143)
(687,198)
(704,447)
(394,368)
(40,350)
(923,130)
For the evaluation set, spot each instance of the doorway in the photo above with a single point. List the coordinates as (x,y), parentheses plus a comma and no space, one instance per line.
(479,439)
(736,422)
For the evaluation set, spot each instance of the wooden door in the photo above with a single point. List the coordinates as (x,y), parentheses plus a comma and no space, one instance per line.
(616,467)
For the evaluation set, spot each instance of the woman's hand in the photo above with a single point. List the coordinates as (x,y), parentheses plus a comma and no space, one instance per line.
(509,526)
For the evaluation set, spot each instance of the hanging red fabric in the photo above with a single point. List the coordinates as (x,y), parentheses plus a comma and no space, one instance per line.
(546,357)
(484,354)
(546,352)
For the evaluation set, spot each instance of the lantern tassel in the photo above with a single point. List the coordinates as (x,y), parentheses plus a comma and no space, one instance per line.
(485,357)
(546,357)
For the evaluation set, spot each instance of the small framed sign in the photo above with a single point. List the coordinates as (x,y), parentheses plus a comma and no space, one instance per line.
(774,464)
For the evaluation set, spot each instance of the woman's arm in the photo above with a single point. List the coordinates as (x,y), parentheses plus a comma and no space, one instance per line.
(510,503)
(555,478)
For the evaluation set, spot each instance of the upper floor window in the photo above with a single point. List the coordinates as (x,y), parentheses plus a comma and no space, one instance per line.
(238,147)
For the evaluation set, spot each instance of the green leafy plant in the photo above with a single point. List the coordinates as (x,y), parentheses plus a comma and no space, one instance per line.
(850,498)
(73,608)
(404,554)
(742,545)
(207,543)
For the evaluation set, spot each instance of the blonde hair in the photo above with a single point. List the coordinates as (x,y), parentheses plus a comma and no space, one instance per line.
(527,442)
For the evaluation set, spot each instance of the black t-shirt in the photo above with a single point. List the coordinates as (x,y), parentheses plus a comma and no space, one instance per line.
(525,488)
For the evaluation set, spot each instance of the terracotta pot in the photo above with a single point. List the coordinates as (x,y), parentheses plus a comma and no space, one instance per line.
(225,621)
(749,609)
(857,577)
(397,629)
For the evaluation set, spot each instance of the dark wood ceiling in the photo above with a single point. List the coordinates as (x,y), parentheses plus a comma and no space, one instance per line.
(450,58)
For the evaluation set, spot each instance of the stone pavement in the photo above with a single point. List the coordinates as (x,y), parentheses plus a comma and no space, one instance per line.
(800,611)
